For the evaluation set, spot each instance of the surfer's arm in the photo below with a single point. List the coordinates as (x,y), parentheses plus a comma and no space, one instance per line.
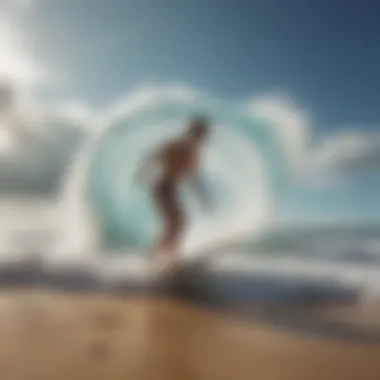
(199,187)
(147,165)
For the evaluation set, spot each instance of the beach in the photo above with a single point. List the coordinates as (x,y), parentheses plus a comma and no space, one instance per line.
(60,335)
(363,317)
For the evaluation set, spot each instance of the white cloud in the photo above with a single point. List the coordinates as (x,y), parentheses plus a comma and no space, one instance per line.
(292,124)
(350,149)
(19,116)
(327,163)
(17,65)
(36,141)
(23,120)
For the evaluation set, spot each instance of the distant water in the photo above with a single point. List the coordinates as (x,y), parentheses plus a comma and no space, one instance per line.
(348,256)
(351,244)
(356,244)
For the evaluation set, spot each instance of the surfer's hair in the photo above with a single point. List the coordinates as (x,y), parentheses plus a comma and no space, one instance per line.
(199,126)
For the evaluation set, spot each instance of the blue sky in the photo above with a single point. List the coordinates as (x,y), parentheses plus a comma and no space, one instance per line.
(326,54)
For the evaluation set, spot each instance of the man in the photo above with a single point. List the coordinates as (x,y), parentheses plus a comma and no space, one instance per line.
(178,160)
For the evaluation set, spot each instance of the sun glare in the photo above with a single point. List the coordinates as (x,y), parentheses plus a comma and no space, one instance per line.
(16,65)
(7,143)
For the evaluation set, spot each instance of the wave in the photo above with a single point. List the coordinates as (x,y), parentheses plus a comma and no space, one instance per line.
(247,165)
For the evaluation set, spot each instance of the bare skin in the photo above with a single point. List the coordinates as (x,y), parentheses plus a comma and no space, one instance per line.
(178,161)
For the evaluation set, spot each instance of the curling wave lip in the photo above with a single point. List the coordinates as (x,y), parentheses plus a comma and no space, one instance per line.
(104,211)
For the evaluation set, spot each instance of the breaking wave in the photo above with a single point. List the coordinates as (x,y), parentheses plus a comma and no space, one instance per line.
(246,166)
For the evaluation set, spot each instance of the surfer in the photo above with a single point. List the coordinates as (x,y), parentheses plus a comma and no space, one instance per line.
(177,160)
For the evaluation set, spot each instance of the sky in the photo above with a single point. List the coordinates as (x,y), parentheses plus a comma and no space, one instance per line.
(76,57)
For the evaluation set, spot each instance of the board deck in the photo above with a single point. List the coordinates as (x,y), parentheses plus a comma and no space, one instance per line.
(182,276)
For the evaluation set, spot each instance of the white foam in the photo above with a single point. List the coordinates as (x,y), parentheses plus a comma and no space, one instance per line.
(131,265)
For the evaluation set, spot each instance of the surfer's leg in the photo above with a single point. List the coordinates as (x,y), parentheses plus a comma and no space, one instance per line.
(171,237)
(172,220)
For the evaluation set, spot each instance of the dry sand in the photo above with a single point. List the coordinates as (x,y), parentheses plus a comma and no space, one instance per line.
(46,335)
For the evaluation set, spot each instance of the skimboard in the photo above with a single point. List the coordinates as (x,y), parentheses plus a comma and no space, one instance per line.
(181,274)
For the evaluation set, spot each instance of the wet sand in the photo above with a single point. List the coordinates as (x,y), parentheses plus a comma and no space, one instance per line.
(362,316)
(47,335)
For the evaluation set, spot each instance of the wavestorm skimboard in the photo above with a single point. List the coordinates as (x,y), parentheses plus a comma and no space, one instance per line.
(176,272)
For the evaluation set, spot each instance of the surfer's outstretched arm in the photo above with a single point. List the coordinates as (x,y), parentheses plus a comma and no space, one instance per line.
(147,165)
(201,191)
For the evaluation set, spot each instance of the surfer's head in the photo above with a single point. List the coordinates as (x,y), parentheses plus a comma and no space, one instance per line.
(199,128)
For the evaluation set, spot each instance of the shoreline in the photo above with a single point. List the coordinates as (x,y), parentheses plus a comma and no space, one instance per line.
(61,335)
(308,306)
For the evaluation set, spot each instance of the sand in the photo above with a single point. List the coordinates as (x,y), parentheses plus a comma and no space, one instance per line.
(47,335)
(362,316)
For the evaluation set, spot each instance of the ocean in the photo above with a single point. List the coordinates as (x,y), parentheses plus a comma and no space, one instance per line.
(350,243)
(103,219)
(282,262)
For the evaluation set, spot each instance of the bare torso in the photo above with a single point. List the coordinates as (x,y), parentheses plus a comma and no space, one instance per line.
(178,160)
